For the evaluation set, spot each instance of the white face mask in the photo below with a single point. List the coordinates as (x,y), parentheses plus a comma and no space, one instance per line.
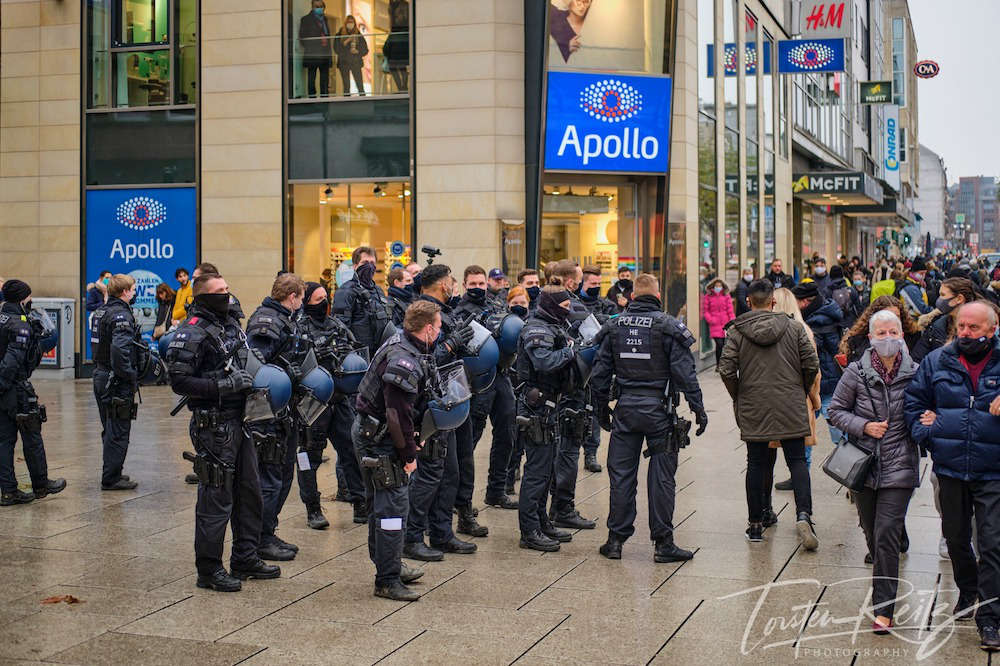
(887,347)
(748,277)
(820,270)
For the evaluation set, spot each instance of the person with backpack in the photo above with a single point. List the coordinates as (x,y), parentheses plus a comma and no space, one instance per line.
(845,296)
(912,291)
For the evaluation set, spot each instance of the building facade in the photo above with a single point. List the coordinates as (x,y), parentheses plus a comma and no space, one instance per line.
(932,206)
(974,210)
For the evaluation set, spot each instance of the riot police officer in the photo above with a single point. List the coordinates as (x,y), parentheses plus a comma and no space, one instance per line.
(602,309)
(117,345)
(648,353)
(400,294)
(435,483)
(331,340)
(205,366)
(361,305)
(544,358)
(273,333)
(391,403)
(19,408)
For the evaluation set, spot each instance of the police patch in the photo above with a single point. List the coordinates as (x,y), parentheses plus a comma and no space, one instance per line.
(4,318)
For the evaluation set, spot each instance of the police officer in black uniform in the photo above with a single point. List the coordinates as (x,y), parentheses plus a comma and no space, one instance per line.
(602,309)
(331,340)
(273,332)
(391,403)
(19,408)
(544,365)
(117,346)
(400,294)
(434,485)
(361,305)
(205,366)
(648,353)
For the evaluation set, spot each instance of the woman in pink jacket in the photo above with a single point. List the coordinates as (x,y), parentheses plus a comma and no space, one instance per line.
(717,310)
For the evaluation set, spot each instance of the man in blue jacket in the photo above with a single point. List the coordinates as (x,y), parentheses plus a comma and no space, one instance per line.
(953,410)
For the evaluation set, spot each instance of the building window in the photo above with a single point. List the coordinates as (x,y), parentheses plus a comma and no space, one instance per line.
(768,96)
(753,209)
(902,144)
(898,61)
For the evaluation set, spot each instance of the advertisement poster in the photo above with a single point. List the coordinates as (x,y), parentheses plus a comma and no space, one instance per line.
(146,233)
(796,56)
(890,146)
(606,34)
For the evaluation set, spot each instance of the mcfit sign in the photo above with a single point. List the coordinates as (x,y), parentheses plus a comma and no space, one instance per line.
(607,122)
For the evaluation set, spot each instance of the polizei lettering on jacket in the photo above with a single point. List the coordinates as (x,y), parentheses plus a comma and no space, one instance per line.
(628,145)
(154,248)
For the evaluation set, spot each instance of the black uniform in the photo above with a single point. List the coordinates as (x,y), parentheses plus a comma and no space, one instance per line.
(273,332)
(365,310)
(644,349)
(390,404)
(331,340)
(400,300)
(116,344)
(544,357)
(203,351)
(19,408)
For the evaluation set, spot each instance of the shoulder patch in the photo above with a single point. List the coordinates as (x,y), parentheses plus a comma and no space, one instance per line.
(4,318)
(193,320)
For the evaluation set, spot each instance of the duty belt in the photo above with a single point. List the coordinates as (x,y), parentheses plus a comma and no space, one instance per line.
(651,392)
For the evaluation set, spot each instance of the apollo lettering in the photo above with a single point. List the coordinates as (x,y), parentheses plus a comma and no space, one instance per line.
(151,249)
(628,145)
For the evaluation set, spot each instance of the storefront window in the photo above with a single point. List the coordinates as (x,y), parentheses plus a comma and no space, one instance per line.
(750,96)
(348,48)
(768,104)
(140,147)
(730,84)
(327,221)
(753,205)
(621,36)
(768,209)
(142,78)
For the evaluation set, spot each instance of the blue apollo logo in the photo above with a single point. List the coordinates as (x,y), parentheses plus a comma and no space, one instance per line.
(141,213)
(809,56)
(610,100)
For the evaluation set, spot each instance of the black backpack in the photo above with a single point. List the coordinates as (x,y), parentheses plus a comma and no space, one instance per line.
(842,296)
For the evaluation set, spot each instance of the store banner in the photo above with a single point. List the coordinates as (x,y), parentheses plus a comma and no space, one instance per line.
(146,233)
(607,122)
(797,56)
(729,55)
(890,146)
(875,92)
(822,18)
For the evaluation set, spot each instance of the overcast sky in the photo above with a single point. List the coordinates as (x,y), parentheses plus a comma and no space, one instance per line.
(960,107)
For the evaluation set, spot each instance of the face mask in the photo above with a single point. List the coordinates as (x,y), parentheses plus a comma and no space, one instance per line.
(519,310)
(409,288)
(820,271)
(625,285)
(132,300)
(887,347)
(717,290)
(974,348)
(533,292)
(943,305)
(318,310)
(26,306)
(416,284)
(476,295)
(318,11)
(105,280)
(593,292)
(748,277)
(366,272)
(858,283)
(217,304)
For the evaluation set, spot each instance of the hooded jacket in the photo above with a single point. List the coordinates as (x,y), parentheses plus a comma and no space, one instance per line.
(768,365)
(717,310)
(826,323)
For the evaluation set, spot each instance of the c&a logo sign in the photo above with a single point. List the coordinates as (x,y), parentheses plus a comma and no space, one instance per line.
(603,122)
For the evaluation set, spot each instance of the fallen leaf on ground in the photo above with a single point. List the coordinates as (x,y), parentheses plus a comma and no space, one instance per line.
(62,598)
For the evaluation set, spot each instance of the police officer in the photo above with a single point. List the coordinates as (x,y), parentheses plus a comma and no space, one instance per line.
(390,405)
(331,340)
(361,305)
(400,294)
(434,485)
(544,358)
(602,309)
(648,352)
(204,366)
(117,345)
(273,333)
(19,408)
(496,288)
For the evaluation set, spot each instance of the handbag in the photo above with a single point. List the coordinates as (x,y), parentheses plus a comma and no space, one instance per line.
(848,464)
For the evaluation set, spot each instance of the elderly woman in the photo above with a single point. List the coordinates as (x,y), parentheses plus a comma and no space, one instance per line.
(868,406)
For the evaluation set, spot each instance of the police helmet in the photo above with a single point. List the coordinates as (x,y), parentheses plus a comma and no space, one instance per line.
(319,381)
(483,381)
(485,353)
(350,373)
(437,417)
(507,334)
(148,365)
(164,342)
(50,333)
(277,383)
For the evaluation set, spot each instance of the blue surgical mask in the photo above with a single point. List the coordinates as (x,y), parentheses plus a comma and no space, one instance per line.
(318,11)
(858,283)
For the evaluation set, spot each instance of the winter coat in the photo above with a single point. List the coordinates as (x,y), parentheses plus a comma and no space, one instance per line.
(964,440)
(933,337)
(717,311)
(768,365)
(898,461)
(824,284)
(914,297)
(780,280)
(826,325)
(740,296)
(95,297)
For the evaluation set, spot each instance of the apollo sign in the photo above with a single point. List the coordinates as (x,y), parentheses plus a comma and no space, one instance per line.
(605,122)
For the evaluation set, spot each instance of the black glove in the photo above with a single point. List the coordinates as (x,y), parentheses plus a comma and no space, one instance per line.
(237,382)
(324,353)
(459,338)
(604,417)
(701,418)
(294,372)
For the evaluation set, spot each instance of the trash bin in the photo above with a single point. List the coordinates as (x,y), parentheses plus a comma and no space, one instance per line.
(63,313)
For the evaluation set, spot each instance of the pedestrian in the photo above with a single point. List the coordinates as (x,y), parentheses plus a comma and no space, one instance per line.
(518,304)
(199,365)
(97,291)
(621,291)
(183,296)
(769,360)
(400,294)
(777,277)
(860,284)
(351,47)
(911,291)
(953,294)
(589,293)
(953,410)
(20,412)
(717,311)
(164,308)
(867,405)
(844,295)
(740,292)
(317,48)
(855,341)
(648,354)
(821,277)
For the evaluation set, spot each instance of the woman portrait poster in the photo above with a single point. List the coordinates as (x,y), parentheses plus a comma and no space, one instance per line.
(615,35)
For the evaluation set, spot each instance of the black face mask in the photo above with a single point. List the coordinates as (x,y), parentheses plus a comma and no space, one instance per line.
(317,310)
(366,272)
(415,287)
(476,295)
(519,310)
(549,304)
(533,292)
(593,292)
(26,307)
(974,349)
(217,304)
(410,288)
(132,300)
(625,285)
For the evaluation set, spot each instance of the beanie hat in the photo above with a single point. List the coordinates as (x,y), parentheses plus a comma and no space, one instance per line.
(837,272)
(805,290)
(918,265)
(16,291)
(310,288)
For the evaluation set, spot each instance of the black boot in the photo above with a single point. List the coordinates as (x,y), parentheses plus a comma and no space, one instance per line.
(257,569)
(191,479)
(275,553)
(396,591)
(573,520)
(783,485)
(418,550)
(53,486)
(287,546)
(504,501)
(342,496)
(16,496)
(770,518)
(220,581)
(121,484)
(668,551)
(360,512)
(556,534)
(408,574)
(467,523)
(538,541)
(612,549)
(590,463)
(457,546)
(315,518)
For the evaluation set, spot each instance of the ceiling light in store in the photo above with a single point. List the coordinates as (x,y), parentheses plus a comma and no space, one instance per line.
(322,202)
(555,190)
(406,193)
(360,206)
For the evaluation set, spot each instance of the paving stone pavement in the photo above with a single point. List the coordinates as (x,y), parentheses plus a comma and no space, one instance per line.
(128,557)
